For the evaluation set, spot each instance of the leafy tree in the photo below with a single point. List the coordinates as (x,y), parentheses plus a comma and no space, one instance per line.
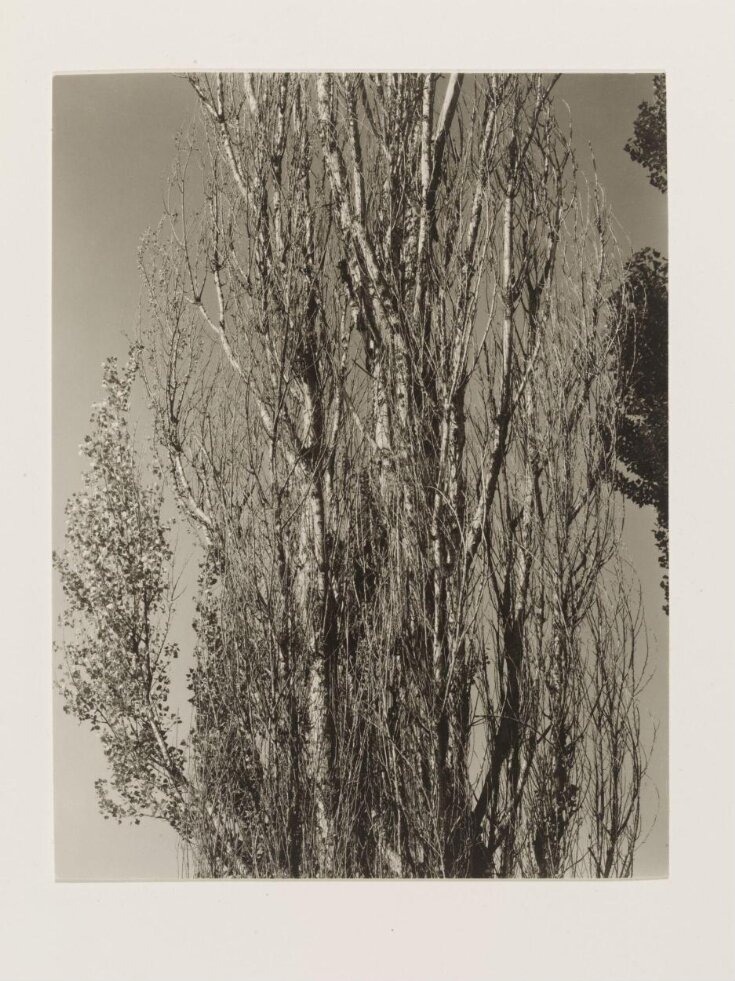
(115,574)
(647,146)
(643,429)
(381,344)
(643,304)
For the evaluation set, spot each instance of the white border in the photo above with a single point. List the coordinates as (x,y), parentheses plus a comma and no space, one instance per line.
(680,928)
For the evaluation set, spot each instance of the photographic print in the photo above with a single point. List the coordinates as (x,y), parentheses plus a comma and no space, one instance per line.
(360,462)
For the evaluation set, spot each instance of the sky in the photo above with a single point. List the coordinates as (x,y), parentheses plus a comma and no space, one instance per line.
(113,145)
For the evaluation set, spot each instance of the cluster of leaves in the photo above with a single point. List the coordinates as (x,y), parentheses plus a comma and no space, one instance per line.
(643,442)
(648,144)
(643,301)
(115,573)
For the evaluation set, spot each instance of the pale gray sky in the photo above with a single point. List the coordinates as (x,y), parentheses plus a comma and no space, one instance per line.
(113,146)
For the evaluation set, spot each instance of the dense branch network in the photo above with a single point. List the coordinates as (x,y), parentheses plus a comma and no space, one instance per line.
(380,342)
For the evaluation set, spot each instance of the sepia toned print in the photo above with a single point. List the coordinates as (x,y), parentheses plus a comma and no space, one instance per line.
(360,573)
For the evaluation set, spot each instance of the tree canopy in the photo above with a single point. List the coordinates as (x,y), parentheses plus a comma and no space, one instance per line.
(643,440)
(644,308)
(647,146)
(387,350)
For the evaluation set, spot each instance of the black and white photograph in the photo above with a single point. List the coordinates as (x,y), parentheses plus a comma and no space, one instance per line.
(361,475)
(367,417)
